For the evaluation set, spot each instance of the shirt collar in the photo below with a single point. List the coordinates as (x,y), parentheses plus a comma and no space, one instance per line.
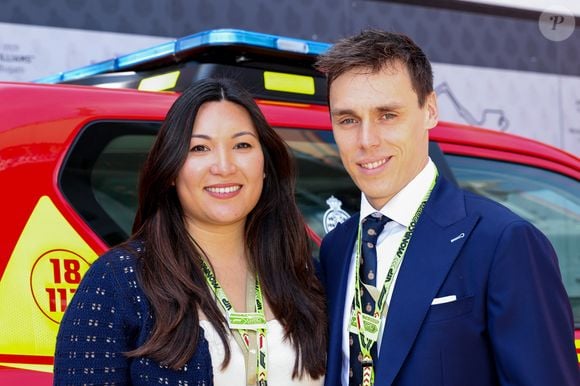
(402,207)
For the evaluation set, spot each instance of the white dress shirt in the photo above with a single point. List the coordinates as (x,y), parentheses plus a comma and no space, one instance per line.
(400,209)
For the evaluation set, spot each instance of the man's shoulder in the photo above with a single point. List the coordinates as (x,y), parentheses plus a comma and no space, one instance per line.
(339,235)
(343,228)
(489,209)
(492,215)
(497,220)
(476,203)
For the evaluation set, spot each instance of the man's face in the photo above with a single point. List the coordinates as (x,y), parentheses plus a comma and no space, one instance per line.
(380,129)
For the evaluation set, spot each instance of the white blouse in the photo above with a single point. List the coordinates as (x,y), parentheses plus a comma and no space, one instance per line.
(280,360)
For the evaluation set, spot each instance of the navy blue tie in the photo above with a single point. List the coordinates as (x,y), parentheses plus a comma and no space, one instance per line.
(372,226)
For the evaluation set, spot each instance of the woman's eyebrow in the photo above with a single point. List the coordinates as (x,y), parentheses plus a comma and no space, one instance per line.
(241,133)
(235,135)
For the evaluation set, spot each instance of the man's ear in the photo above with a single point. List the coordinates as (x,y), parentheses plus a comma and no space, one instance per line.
(431,111)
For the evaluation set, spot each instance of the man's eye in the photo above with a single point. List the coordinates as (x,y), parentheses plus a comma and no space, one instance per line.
(347,121)
(199,148)
(389,116)
(243,145)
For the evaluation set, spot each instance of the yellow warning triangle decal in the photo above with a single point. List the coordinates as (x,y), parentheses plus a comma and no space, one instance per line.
(42,274)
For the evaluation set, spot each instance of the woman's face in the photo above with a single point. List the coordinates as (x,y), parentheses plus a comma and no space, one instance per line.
(222,177)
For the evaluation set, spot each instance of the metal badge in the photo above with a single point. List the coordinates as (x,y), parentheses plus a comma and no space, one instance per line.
(335,215)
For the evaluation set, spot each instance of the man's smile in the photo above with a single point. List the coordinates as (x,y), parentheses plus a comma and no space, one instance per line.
(373,164)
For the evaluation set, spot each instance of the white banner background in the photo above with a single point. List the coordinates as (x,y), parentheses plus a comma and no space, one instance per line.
(32,52)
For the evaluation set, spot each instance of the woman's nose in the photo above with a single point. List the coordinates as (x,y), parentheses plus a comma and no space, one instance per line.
(224,164)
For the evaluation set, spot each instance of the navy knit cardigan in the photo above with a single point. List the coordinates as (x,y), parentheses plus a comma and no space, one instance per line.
(109,315)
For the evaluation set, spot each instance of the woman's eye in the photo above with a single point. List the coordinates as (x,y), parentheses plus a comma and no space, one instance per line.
(199,148)
(242,145)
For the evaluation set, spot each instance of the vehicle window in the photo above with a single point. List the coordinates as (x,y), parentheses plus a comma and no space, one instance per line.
(115,174)
(324,191)
(100,174)
(548,200)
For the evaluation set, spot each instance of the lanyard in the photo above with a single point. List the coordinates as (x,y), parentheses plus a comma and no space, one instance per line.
(367,326)
(245,325)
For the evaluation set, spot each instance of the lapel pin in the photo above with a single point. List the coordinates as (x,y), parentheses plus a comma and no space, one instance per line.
(460,236)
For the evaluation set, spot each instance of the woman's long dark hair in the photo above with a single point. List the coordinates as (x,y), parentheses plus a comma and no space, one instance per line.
(275,233)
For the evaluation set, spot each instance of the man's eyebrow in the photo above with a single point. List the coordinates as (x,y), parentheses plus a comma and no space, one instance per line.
(389,107)
(381,108)
(336,112)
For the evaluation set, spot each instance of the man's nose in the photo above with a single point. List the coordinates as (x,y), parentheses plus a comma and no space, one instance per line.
(369,135)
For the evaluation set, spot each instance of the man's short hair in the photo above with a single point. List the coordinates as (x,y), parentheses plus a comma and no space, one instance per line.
(375,50)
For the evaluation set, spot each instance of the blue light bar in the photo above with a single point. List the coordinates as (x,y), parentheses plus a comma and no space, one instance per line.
(143,56)
(51,79)
(79,73)
(93,69)
(179,46)
(234,36)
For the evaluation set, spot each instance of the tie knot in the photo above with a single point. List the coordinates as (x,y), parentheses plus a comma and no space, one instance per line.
(372,226)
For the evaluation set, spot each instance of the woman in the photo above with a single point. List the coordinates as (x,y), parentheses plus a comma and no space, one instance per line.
(216,284)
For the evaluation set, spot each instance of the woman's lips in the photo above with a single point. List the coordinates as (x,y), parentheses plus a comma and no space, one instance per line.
(223,191)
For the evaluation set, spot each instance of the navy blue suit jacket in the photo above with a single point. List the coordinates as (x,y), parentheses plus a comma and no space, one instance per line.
(511,324)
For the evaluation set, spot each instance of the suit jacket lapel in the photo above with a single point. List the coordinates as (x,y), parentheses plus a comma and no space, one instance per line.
(434,246)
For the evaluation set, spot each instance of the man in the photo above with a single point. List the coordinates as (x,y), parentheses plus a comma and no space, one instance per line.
(451,288)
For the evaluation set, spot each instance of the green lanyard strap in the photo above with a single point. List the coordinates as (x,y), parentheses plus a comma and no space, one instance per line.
(367,326)
(244,325)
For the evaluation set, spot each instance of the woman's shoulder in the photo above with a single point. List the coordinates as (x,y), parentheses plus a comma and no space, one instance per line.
(112,281)
(118,265)
(123,256)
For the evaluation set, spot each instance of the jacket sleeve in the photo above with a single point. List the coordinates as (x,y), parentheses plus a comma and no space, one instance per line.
(93,333)
(530,320)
